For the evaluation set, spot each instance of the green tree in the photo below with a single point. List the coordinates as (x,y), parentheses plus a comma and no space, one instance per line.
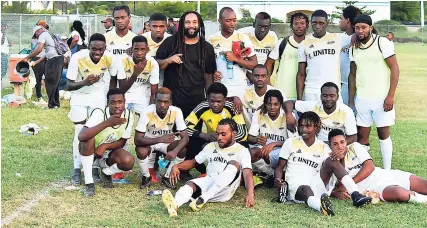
(276,20)
(408,11)
(89,7)
(337,14)
(16,7)
(246,16)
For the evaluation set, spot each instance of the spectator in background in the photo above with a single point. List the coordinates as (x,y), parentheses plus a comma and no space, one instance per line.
(108,24)
(67,57)
(171,27)
(390,36)
(54,64)
(4,51)
(79,36)
(38,64)
(145,29)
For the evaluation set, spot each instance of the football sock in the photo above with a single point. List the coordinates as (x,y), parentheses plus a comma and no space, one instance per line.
(143,167)
(221,181)
(263,167)
(314,202)
(87,162)
(183,195)
(349,184)
(77,163)
(386,147)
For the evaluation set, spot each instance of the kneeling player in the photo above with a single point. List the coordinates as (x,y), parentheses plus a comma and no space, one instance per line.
(268,133)
(226,160)
(104,135)
(155,133)
(392,185)
(310,168)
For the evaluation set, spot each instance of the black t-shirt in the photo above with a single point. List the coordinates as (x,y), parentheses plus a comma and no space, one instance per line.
(189,89)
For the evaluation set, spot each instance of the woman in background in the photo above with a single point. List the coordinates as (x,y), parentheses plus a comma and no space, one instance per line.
(78,36)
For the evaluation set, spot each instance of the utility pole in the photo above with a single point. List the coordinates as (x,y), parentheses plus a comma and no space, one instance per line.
(198,6)
(422,14)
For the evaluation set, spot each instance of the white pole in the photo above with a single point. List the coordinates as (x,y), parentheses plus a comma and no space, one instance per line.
(422,14)
(198,6)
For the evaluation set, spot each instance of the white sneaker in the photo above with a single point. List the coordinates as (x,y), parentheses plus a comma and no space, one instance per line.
(42,102)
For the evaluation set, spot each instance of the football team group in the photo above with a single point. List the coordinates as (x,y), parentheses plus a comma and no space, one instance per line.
(242,107)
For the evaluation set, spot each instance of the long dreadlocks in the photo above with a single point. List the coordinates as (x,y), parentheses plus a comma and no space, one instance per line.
(179,45)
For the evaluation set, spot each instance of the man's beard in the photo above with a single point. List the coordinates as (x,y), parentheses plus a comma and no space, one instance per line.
(187,33)
(228,143)
(366,37)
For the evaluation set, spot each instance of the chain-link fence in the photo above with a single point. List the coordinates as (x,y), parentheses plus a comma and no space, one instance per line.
(20,26)
(402,33)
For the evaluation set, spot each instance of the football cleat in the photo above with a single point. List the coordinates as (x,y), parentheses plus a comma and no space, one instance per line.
(257,182)
(360,200)
(197,204)
(153,175)
(145,182)
(326,205)
(282,194)
(107,179)
(169,202)
(89,190)
(95,175)
(76,177)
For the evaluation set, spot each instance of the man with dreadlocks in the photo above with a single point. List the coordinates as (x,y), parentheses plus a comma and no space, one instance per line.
(311,169)
(268,133)
(188,61)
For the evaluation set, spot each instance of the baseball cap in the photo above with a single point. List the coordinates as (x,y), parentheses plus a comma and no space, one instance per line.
(36,28)
(107,19)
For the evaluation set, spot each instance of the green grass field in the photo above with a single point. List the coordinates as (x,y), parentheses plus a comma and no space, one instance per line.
(46,158)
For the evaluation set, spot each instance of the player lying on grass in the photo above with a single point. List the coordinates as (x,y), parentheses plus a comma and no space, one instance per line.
(334,113)
(226,160)
(268,133)
(392,185)
(310,167)
(155,132)
(103,136)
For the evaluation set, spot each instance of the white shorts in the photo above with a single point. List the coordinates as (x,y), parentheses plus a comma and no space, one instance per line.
(224,195)
(381,179)
(316,184)
(137,108)
(102,162)
(79,113)
(161,147)
(372,111)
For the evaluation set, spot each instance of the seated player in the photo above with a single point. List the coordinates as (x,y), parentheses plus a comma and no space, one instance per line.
(210,112)
(104,135)
(334,113)
(157,129)
(141,76)
(268,133)
(226,160)
(254,94)
(311,170)
(392,185)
